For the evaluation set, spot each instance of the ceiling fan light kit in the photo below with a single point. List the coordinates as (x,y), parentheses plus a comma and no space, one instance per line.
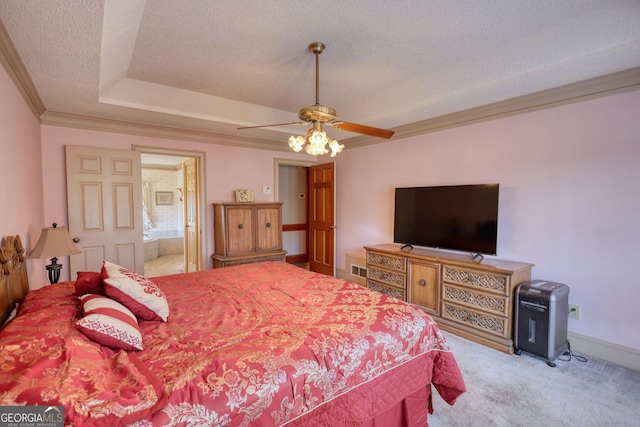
(316,142)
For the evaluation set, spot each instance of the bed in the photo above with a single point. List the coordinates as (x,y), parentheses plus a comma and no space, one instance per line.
(13,276)
(264,344)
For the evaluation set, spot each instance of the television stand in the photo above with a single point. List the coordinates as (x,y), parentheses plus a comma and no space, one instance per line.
(473,299)
(406,245)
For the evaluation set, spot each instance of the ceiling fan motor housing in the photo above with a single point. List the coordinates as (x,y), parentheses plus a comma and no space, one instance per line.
(318,113)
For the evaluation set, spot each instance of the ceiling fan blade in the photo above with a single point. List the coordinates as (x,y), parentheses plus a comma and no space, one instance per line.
(267,126)
(365,130)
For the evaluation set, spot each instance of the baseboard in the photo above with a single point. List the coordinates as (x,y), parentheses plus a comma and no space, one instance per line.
(614,353)
(343,274)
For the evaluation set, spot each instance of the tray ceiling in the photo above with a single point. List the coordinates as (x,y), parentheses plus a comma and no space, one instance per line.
(207,67)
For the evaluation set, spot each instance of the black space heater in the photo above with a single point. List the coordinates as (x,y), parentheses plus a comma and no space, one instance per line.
(542,312)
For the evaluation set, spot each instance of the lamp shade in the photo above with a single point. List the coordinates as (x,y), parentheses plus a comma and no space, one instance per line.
(54,242)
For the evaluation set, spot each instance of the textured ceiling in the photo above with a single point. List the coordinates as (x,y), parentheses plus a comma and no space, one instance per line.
(211,66)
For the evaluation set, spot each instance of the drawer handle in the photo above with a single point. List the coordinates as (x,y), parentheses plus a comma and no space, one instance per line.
(240,226)
(422,282)
(268,225)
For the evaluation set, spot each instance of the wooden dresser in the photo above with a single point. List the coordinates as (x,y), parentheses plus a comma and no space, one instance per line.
(471,299)
(247,232)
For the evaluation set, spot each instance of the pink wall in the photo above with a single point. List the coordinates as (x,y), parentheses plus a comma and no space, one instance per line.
(226,169)
(569,200)
(21,201)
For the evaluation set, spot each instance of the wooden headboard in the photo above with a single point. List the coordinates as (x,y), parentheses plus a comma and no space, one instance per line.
(14,282)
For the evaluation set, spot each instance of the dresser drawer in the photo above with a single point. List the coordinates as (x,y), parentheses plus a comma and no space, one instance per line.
(387,261)
(467,296)
(228,261)
(495,325)
(387,290)
(390,277)
(498,283)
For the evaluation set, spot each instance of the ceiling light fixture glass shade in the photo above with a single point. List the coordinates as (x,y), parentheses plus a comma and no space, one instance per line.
(296,143)
(335,147)
(316,142)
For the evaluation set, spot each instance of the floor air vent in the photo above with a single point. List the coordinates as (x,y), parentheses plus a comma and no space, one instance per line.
(359,271)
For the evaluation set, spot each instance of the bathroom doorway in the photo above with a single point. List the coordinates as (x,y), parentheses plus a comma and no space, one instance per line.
(165,191)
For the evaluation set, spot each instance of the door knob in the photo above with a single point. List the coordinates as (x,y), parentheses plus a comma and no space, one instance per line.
(332,227)
(422,282)
(75,240)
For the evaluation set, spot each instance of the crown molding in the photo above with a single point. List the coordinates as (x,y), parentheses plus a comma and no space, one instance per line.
(166,132)
(18,72)
(623,81)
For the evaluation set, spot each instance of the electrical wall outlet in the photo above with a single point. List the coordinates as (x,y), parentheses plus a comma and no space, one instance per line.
(574,311)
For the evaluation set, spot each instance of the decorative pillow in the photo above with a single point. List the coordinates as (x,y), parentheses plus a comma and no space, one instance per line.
(109,323)
(137,293)
(89,282)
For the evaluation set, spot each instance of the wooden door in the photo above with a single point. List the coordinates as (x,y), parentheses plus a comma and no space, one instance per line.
(268,227)
(104,201)
(322,218)
(239,229)
(191,219)
(424,286)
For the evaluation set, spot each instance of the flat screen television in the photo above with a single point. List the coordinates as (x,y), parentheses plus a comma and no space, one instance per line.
(455,217)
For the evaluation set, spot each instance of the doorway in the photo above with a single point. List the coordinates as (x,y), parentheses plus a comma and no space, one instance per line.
(308,192)
(292,192)
(172,203)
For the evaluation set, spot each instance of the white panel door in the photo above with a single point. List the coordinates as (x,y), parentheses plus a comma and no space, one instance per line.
(104,200)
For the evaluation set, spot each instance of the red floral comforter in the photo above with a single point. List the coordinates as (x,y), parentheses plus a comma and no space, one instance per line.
(260,344)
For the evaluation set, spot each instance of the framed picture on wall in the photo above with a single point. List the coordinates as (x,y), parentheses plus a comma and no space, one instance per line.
(164,197)
(244,196)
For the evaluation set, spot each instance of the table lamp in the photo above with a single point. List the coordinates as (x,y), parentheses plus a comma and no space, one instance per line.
(54,242)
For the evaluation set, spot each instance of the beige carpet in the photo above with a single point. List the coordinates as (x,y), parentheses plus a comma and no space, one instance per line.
(513,391)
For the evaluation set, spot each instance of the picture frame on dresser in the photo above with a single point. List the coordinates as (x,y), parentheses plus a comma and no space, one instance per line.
(244,196)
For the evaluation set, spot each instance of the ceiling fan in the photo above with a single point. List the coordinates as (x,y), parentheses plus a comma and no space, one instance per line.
(316,140)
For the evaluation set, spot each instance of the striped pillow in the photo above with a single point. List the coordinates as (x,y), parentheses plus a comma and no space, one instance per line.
(109,323)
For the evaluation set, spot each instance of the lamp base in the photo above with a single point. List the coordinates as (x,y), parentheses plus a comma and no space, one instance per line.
(54,270)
